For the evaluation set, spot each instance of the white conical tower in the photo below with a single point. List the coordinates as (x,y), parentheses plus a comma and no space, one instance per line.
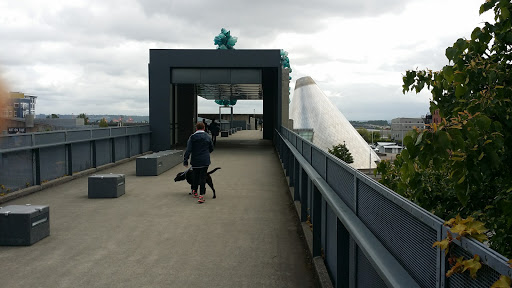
(311,109)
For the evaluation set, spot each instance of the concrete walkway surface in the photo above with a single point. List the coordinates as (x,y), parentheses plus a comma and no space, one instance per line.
(157,235)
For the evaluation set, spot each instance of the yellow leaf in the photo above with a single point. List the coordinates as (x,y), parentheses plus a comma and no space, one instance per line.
(473,265)
(510,262)
(480,237)
(450,236)
(476,227)
(456,268)
(450,222)
(453,270)
(503,282)
(443,244)
(467,220)
(481,156)
(459,229)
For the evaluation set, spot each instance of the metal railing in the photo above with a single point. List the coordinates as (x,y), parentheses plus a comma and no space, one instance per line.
(32,159)
(368,235)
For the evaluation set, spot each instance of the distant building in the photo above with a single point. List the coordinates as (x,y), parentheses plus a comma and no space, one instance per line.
(436,118)
(19,105)
(432,118)
(401,126)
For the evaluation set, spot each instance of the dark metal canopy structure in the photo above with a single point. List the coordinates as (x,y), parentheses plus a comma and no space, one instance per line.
(177,77)
(230,91)
(225,84)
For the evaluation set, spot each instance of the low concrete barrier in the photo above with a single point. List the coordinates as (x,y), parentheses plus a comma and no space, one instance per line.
(157,163)
(24,225)
(106,185)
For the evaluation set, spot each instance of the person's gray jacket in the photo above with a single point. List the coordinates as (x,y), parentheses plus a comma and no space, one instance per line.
(200,145)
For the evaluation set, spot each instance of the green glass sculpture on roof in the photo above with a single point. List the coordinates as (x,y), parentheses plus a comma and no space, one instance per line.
(224,40)
(285,62)
(226,102)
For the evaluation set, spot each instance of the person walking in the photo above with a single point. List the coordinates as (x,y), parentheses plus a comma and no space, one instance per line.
(205,126)
(214,129)
(199,147)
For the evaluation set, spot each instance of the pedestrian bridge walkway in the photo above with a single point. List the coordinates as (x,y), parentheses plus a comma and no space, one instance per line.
(157,235)
(360,233)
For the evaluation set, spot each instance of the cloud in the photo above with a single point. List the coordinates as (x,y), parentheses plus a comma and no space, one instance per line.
(259,19)
(375,102)
(91,56)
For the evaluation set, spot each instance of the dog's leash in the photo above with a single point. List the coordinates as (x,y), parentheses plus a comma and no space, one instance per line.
(185,172)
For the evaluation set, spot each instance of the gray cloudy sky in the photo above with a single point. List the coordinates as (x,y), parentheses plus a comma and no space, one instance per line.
(91,56)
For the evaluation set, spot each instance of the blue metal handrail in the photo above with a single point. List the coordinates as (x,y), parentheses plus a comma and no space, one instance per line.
(416,264)
(32,159)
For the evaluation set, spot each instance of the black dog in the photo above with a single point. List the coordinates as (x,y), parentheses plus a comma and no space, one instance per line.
(187,175)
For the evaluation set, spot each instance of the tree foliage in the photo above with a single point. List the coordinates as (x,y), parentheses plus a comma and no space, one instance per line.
(367,135)
(341,151)
(103,123)
(86,119)
(462,166)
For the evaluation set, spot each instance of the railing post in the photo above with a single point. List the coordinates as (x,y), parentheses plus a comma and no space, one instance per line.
(36,168)
(343,255)
(113,142)
(317,222)
(94,154)
(304,191)
(298,182)
(141,142)
(128,144)
(356,184)
(352,271)
(286,162)
(441,263)
(291,162)
(69,156)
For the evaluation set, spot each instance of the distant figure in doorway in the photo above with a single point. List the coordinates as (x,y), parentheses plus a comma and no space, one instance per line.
(199,147)
(260,121)
(214,129)
(206,127)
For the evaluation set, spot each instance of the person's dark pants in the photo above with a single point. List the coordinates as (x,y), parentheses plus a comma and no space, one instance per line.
(199,179)
(214,139)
